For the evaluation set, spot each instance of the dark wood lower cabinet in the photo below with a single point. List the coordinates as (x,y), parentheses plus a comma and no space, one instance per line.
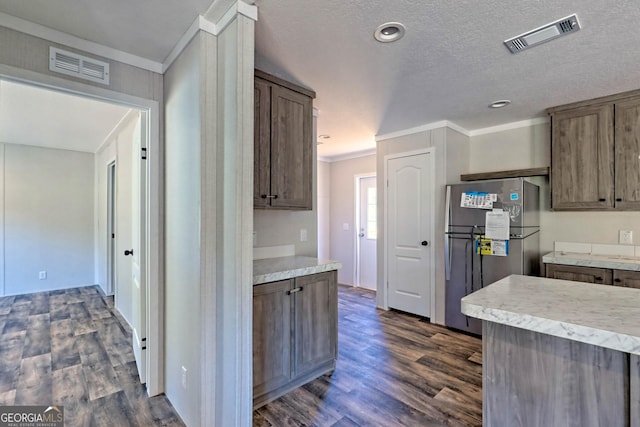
(602,276)
(627,279)
(295,331)
(271,336)
(532,379)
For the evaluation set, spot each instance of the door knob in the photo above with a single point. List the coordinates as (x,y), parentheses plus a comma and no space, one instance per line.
(128,252)
(424,243)
(361,234)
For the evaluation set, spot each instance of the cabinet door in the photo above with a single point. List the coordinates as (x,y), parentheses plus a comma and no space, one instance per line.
(601,276)
(627,193)
(627,279)
(271,336)
(291,149)
(316,321)
(582,158)
(261,143)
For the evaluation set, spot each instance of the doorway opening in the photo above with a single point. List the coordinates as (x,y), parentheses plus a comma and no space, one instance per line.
(367,231)
(106,233)
(111,228)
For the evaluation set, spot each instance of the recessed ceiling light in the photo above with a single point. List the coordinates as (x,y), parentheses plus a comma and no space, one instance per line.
(499,104)
(389,32)
(322,139)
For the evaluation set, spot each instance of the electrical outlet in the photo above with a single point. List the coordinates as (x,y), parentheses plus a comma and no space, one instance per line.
(625,237)
(303,235)
(42,275)
(184,378)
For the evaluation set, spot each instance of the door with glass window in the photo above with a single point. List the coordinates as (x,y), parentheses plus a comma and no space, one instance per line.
(367,233)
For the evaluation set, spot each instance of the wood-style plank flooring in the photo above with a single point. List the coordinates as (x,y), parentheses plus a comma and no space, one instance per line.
(393,369)
(72,348)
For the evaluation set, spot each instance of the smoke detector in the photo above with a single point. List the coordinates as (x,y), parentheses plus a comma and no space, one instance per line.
(561,27)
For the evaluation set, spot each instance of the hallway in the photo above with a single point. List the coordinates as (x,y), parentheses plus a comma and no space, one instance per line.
(71,348)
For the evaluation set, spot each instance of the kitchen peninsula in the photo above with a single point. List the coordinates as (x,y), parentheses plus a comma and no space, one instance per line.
(558,353)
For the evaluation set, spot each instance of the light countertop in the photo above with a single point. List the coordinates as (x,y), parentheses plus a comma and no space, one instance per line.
(606,316)
(615,262)
(282,268)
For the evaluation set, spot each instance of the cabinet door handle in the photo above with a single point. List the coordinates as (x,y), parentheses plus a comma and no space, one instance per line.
(598,278)
(617,280)
(294,290)
(602,200)
(270,196)
(618,200)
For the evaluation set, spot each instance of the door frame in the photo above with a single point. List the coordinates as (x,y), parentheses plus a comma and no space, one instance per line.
(431,195)
(155,277)
(356,264)
(112,171)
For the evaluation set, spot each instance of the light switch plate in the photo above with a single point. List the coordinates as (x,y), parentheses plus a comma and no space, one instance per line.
(625,237)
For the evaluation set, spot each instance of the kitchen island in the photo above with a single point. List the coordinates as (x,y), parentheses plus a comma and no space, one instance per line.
(558,353)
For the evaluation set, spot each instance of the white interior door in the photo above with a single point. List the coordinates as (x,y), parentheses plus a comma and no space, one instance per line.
(138,232)
(367,233)
(409,246)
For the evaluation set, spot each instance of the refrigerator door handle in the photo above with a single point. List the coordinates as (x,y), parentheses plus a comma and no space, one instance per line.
(447,239)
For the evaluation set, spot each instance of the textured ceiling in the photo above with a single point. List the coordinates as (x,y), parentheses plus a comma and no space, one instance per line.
(46,118)
(449,66)
(147,28)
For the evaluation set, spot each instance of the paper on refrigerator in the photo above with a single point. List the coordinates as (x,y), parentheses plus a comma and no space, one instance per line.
(497,225)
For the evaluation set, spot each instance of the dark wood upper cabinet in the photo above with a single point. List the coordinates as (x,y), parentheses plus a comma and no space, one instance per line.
(627,131)
(283,138)
(595,149)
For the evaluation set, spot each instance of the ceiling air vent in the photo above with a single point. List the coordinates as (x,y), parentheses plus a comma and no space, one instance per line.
(543,34)
(75,65)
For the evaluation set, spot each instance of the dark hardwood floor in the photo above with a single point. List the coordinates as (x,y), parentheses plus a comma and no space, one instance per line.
(72,348)
(393,369)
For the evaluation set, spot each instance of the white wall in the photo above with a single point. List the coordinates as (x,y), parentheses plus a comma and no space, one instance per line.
(530,147)
(451,151)
(182,231)
(48,218)
(343,211)
(117,148)
(324,210)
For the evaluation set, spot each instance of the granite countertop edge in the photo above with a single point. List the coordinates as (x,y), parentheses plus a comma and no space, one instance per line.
(283,268)
(589,260)
(564,309)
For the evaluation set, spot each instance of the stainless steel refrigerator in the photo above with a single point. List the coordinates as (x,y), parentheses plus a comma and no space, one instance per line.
(469,265)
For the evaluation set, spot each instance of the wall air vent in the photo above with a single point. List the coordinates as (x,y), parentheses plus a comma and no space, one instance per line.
(79,66)
(561,27)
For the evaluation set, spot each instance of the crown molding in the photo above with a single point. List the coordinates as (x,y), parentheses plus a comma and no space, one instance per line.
(510,126)
(423,128)
(348,156)
(469,133)
(212,22)
(69,40)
